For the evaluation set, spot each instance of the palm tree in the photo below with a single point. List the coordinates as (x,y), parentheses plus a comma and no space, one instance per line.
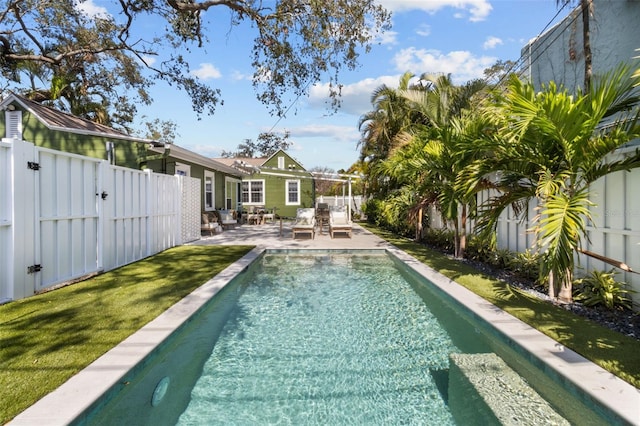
(428,158)
(551,147)
(380,128)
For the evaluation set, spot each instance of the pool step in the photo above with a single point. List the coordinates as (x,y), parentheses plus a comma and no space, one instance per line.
(484,390)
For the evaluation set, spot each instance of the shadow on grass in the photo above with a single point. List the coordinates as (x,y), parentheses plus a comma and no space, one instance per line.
(609,349)
(47,338)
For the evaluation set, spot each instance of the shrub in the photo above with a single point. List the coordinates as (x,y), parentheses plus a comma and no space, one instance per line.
(441,238)
(480,248)
(526,264)
(601,288)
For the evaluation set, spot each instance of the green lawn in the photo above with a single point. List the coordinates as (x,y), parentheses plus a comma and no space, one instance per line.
(46,339)
(611,350)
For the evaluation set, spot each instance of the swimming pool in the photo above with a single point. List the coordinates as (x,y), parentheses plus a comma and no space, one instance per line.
(324,338)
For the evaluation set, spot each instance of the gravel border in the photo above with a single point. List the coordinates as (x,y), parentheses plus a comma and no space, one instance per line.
(625,321)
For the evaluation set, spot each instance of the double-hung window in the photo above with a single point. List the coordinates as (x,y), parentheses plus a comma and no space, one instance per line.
(253,191)
(209,190)
(293,192)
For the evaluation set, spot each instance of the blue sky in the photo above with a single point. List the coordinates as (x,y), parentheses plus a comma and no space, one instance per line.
(461,37)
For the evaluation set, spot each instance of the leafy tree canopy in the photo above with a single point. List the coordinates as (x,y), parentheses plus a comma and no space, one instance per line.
(90,64)
(267,144)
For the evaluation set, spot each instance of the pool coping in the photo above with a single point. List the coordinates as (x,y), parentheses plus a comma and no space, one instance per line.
(76,396)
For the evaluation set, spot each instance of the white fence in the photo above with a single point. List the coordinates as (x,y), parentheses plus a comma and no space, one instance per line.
(343,200)
(64,216)
(614,233)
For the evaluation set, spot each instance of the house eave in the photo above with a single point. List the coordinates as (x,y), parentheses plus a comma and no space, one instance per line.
(190,156)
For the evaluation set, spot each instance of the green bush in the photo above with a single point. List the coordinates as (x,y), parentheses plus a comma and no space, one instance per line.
(480,248)
(441,238)
(601,288)
(526,264)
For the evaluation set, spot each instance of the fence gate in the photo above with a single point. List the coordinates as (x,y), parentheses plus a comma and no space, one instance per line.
(66,234)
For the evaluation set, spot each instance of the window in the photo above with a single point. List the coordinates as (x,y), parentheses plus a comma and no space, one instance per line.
(14,124)
(281,162)
(253,192)
(183,169)
(209,190)
(293,192)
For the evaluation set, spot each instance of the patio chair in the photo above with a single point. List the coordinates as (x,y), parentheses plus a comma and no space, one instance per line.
(269,214)
(251,216)
(209,224)
(227,218)
(339,222)
(305,222)
(322,215)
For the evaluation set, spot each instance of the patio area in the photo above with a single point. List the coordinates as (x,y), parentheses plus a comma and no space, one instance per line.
(279,236)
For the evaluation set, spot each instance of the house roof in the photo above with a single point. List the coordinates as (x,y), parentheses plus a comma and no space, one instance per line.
(243,162)
(62,121)
(184,154)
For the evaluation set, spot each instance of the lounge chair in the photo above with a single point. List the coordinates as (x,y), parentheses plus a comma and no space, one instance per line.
(339,222)
(305,222)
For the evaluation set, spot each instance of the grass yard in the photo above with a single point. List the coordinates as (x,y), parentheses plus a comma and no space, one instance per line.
(611,350)
(47,338)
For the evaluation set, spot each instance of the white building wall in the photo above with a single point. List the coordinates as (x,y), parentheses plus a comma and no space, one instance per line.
(557,54)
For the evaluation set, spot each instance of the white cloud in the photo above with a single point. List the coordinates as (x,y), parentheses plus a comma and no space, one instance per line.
(238,76)
(327,131)
(491,42)
(424,30)
(462,65)
(206,72)
(477,10)
(387,38)
(91,9)
(150,60)
(356,97)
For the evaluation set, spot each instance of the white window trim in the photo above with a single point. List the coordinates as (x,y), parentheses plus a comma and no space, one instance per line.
(281,162)
(286,192)
(212,175)
(264,195)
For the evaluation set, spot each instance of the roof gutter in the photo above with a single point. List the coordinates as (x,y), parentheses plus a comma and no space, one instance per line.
(167,150)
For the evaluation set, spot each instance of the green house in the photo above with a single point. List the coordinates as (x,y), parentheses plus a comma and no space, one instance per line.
(276,182)
(49,128)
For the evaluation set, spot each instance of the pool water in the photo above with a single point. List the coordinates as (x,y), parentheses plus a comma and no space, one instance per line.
(316,339)
(325,340)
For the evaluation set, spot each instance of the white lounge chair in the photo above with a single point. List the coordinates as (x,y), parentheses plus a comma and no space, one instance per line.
(305,222)
(339,222)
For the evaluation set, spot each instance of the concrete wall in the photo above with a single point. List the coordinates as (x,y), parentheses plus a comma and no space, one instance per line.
(557,54)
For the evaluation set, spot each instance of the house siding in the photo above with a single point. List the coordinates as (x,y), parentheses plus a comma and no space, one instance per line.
(33,130)
(275,186)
